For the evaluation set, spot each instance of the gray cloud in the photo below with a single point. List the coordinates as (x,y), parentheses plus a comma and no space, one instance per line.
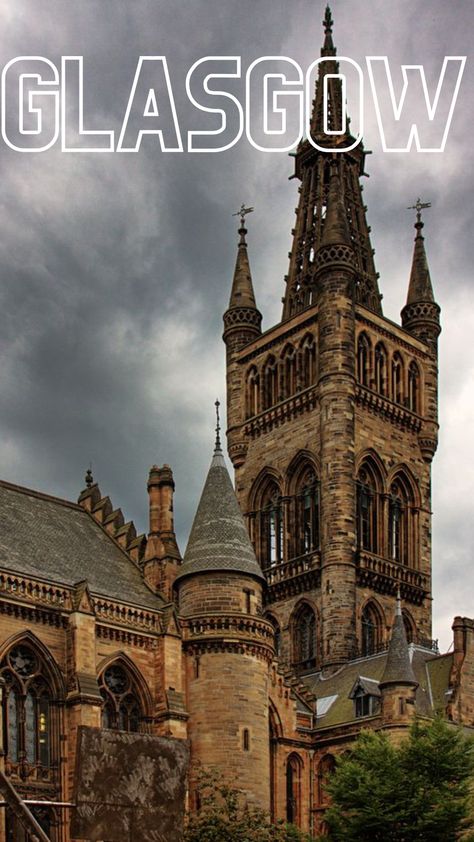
(116,269)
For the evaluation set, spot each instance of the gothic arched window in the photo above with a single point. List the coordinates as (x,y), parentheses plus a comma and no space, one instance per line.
(413,387)
(367,509)
(289,372)
(304,638)
(308,506)
(381,369)
(397,379)
(271,527)
(270,383)
(399,522)
(326,768)
(409,626)
(252,395)
(293,789)
(363,360)
(308,356)
(122,710)
(371,630)
(27,712)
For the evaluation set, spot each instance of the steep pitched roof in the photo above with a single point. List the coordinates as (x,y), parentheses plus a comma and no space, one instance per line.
(57,540)
(219,539)
(398,669)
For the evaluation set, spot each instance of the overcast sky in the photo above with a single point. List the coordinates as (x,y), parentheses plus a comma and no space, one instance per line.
(115,269)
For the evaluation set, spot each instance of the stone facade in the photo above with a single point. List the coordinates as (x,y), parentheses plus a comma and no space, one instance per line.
(301,611)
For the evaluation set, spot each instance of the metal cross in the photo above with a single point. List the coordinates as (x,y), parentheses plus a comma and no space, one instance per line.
(243,213)
(419,206)
(218,425)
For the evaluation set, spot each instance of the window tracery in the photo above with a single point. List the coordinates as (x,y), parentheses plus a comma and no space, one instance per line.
(27,711)
(122,709)
(363,360)
(371,630)
(304,638)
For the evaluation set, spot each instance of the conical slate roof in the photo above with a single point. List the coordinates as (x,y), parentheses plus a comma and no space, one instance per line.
(398,668)
(219,538)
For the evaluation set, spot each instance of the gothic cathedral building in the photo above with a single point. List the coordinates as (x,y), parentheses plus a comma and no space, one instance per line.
(301,610)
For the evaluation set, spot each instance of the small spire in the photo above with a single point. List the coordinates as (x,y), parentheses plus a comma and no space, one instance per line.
(242,294)
(89,478)
(328,46)
(420,287)
(398,667)
(336,229)
(218,448)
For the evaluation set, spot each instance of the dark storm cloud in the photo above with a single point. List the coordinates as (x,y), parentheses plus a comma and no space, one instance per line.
(116,269)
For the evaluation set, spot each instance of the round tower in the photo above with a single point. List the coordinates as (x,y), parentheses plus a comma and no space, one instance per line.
(228,646)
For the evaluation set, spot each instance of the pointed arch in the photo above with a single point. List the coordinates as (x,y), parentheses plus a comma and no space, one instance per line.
(370,486)
(397,379)
(252,392)
(267,518)
(121,658)
(303,630)
(403,517)
(381,369)
(372,627)
(414,387)
(294,769)
(326,768)
(277,631)
(364,359)
(308,360)
(302,488)
(33,687)
(410,626)
(288,360)
(270,390)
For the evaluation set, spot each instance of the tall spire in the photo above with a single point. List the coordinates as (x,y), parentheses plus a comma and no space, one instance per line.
(312,168)
(336,229)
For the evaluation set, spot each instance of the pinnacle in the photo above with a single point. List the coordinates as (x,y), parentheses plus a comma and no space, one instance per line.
(398,668)
(242,294)
(419,288)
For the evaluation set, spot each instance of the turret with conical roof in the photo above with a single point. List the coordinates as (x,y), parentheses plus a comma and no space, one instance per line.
(420,314)
(228,645)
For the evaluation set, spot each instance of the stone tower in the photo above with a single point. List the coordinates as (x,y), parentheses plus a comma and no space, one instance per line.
(228,645)
(332,417)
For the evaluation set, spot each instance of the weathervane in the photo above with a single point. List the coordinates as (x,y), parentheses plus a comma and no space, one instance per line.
(419,206)
(242,212)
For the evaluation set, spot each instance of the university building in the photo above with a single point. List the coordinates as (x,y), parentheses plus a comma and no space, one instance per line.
(301,610)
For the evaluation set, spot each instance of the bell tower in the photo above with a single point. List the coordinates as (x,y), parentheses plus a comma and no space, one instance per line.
(332,417)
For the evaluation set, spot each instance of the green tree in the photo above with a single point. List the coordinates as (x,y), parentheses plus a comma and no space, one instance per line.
(418,791)
(225,816)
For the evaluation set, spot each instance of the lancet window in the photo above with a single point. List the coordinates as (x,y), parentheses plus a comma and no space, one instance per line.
(270,383)
(367,509)
(289,372)
(304,638)
(293,789)
(308,366)
(381,384)
(363,360)
(399,522)
(371,630)
(308,505)
(413,387)
(397,379)
(326,768)
(253,393)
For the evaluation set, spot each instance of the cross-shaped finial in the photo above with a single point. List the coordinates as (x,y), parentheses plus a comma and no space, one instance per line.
(328,21)
(218,426)
(419,206)
(242,212)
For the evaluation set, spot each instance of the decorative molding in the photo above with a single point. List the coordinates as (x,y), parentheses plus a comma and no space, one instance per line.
(123,636)
(393,412)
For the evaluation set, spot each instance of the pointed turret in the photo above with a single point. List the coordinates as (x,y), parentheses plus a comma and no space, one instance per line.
(398,684)
(219,539)
(242,320)
(312,168)
(420,314)
(398,668)
(336,229)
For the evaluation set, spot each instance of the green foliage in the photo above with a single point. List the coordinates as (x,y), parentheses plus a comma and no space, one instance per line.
(419,791)
(225,816)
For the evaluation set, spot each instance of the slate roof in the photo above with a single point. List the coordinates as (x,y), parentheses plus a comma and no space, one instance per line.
(430,671)
(219,539)
(56,540)
(398,668)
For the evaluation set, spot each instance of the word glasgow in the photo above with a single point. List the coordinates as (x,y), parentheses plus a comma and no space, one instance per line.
(41,105)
